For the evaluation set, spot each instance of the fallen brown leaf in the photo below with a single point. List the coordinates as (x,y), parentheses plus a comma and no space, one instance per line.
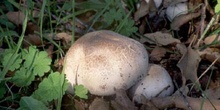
(80,105)
(181,48)
(147,104)
(142,10)
(213,93)
(99,104)
(50,51)
(32,28)
(64,36)
(157,53)
(32,39)
(211,38)
(159,38)
(188,65)
(182,19)
(188,103)
(16,17)
(210,54)
(122,102)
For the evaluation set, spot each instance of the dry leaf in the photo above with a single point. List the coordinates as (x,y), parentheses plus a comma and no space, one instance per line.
(184,90)
(99,104)
(142,10)
(50,51)
(32,39)
(16,17)
(157,53)
(213,93)
(188,65)
(122,102)
(32,28)
(182,48)
(210,54)
(210,39)
(159,38)
(180,102)
(182,19)
(147,105)
(63,36)
(80,105)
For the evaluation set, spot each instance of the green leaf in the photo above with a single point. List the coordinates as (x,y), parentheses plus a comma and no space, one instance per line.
(217,8)
(128,27)
(2,89)
(4,22)
(29,103)
(23,77)
(81,91)
(112,15)
(38,60)
(9,33)
(51,88)
(35,63)
(11,59)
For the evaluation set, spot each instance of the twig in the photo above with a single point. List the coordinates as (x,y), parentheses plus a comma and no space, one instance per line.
(203,16)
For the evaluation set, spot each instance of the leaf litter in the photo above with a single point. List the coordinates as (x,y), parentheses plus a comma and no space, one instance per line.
(159,40)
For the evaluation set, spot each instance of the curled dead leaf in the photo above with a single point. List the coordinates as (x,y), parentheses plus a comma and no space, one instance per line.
(142,10)
(182,19)
(159,38)
(210,39)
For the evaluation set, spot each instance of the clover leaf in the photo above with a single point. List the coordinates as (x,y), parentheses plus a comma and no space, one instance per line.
(38,60)
(35,63)
(81,91)
(11,59)
(23,77)
(51,88)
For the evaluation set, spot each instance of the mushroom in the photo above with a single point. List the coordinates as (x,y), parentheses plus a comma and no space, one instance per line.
(157,83)
(176,10)
(104,61)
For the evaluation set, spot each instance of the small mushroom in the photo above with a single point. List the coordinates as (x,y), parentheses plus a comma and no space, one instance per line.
(176,10)
(157,83)
(103,61)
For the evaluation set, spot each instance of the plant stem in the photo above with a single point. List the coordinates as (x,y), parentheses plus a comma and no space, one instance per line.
(73,21)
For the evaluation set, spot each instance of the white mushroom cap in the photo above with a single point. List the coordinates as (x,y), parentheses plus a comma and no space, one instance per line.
(157,83)
(176,10)
(103,61)
(157,2)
